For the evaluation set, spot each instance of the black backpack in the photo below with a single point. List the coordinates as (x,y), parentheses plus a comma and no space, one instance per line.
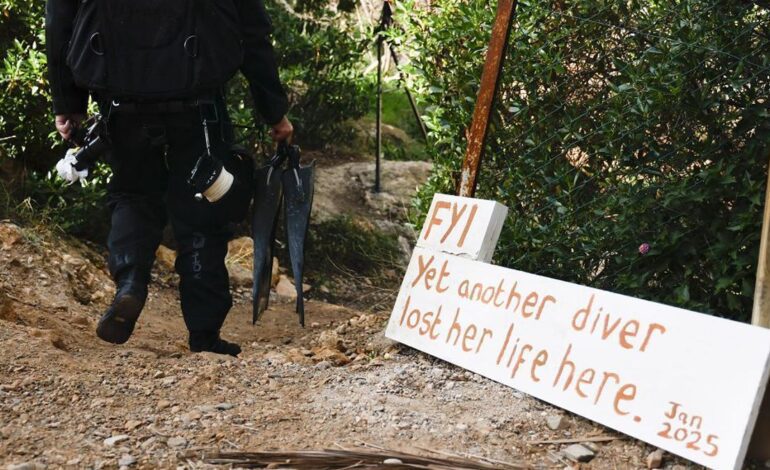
(155,49)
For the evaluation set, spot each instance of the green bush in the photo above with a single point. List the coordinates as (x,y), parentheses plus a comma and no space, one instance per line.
(617,124)
(318,52)
(25,118)
(353,244)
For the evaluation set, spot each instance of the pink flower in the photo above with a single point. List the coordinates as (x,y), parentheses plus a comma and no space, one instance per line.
(644,248)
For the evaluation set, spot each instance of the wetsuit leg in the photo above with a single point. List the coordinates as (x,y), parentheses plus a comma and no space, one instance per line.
(136,197)
(202,233)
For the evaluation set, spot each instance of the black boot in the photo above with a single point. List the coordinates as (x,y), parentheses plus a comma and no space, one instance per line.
(117,323)
(211,342)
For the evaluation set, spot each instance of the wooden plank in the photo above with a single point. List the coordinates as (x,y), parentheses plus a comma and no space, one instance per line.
(490,80)
(760,441)
(689,383)
(761,312)
(449,222)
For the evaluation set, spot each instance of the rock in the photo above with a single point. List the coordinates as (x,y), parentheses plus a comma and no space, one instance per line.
(239,275)
(163,404)
(165,258)
(239,261)
(461,427)
(127,460)
(554,422)
(276,275)
(149,442)
(380,344)
(655,459)
(331,340)
(10,235)
(392,462)
(193,415)
(111,441)
(176,442)
(592,446)
(578,453)
(224,406)
(334,356)
(26,466)
(285,288)
(132,424)
(242,247)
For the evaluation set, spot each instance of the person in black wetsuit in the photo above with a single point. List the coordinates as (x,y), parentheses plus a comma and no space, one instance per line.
(156,136)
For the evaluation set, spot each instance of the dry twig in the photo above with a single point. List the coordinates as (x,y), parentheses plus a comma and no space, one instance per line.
(339,459)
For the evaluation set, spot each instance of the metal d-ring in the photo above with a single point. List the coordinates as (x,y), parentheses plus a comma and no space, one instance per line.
(95,44)
(191,46)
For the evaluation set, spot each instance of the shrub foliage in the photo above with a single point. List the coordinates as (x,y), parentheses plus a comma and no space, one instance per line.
(617,124)
(320,59)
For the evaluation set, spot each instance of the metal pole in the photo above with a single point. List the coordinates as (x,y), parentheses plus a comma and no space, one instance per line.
(761,313)
(378,130)
(490,81)
(412,103)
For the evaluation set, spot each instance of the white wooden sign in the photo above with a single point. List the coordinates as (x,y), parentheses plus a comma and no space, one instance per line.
(686,382)
(449,223)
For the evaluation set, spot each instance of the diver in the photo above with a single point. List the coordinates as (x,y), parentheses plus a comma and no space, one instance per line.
(157,72)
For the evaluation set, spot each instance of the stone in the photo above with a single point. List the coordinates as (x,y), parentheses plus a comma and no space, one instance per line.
(579,453)
(193,415)
(239,275)
(224,406)
(276,274)
(655,459)
(165,258)
(26,466)
(242,247)
(333,356)
(176,442)
(554,422)
(380,344)
(10,235)
(331,340)
(285,288)
(111,441)
(163,404)
(392,462)
(132,424)
(127,460)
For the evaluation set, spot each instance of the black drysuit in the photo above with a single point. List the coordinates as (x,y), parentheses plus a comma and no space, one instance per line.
(152,155)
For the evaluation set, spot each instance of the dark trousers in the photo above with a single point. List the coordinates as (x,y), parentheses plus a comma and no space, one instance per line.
(152,157)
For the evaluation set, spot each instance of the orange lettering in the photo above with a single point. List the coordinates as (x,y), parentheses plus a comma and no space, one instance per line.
(434,220)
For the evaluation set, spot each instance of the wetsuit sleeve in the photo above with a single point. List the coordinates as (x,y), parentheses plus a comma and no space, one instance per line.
(259,64)
(68,98)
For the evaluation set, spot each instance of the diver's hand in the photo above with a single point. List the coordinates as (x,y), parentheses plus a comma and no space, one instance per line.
(67,123)
(283,131)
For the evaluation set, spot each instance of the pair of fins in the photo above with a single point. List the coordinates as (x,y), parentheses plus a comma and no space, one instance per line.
(275,186)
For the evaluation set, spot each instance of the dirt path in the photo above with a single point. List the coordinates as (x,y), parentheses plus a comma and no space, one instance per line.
(69,400)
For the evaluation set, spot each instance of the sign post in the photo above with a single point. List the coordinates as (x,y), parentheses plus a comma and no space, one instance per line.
(689,383)
(490,81)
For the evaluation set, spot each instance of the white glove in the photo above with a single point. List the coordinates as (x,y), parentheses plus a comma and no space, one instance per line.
(66,168)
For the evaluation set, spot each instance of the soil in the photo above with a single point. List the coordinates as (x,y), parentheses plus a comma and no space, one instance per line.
(68,400)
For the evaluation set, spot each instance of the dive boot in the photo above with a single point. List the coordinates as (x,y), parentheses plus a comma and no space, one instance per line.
(117,323)
(211,342)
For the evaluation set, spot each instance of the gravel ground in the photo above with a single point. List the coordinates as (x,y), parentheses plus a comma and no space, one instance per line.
(68,400)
